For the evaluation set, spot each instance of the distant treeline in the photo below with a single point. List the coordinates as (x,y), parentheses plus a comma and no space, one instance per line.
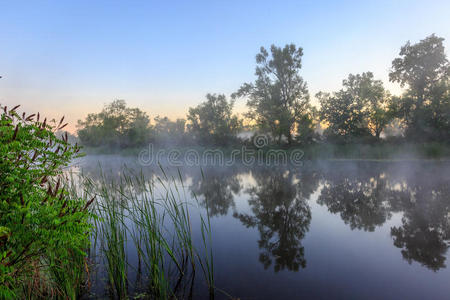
(278,102)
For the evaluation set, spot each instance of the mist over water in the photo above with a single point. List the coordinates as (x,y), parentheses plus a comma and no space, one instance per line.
(344,229)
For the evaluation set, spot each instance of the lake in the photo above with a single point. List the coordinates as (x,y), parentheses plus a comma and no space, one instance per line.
(336,229)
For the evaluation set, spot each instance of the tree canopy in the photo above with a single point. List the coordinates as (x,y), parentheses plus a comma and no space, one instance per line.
(358,110)
(425,70)
(213,121)
(279,106)
(115,125)
(279,96)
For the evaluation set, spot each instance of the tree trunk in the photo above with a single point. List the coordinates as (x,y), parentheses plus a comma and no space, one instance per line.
(377,134)
(289,137)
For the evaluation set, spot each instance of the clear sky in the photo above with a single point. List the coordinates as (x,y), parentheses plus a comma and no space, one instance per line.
(70,58)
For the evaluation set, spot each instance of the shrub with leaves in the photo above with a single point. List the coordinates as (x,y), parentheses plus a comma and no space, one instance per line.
(43,229)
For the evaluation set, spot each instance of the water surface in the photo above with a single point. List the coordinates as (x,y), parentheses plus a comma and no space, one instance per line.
(344,230)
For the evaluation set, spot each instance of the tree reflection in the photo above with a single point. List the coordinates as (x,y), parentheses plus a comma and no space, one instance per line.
(282,216)
(365,197)
(425,230)
(216,188)
(360,198)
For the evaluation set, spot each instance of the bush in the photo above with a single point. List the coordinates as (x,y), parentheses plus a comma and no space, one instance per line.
(43,230)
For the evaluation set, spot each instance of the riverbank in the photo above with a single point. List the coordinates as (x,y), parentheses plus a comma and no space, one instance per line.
(382,151)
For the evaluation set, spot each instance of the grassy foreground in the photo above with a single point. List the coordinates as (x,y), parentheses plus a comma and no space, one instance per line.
(147,218)
(57,229)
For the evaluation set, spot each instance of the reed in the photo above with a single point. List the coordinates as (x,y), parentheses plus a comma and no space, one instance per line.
(152,217)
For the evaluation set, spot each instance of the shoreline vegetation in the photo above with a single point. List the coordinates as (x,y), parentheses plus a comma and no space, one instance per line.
(57,229)
(87,227)
(362,120)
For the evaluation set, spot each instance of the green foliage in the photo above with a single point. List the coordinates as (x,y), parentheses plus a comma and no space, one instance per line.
(213,121)
(116,125)
(362,111)
(279,97)
(358,110)
(306,128)
(423,67)
(42,229)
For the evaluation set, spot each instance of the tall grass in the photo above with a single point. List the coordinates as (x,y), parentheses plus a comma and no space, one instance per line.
(151,217)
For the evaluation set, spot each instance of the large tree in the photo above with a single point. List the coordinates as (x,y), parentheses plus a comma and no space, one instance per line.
(421,66)
(213,121)
(424,69)
(358,109)
(279,96)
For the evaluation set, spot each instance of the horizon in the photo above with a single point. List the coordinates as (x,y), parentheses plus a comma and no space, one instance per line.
(165,59)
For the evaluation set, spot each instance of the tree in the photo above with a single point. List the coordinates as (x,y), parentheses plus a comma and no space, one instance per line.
(359,109)
(423,67)
(115,125)
(279,96)
(166,130)
(213,120)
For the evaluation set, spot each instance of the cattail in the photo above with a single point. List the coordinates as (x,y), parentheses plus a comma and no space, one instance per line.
(60,122)
(49,190)
(88,203)
(57,185)
(15,107)
(44,180)
(15,132)
(30,117)
(34,155)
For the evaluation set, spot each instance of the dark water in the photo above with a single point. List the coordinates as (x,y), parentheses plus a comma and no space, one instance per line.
(341,230)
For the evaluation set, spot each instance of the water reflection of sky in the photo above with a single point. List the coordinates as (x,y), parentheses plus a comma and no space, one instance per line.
(340,230)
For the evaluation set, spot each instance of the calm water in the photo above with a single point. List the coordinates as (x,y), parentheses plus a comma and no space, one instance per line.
(346,230)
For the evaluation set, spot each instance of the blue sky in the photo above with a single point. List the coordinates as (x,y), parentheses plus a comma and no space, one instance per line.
(70,58)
